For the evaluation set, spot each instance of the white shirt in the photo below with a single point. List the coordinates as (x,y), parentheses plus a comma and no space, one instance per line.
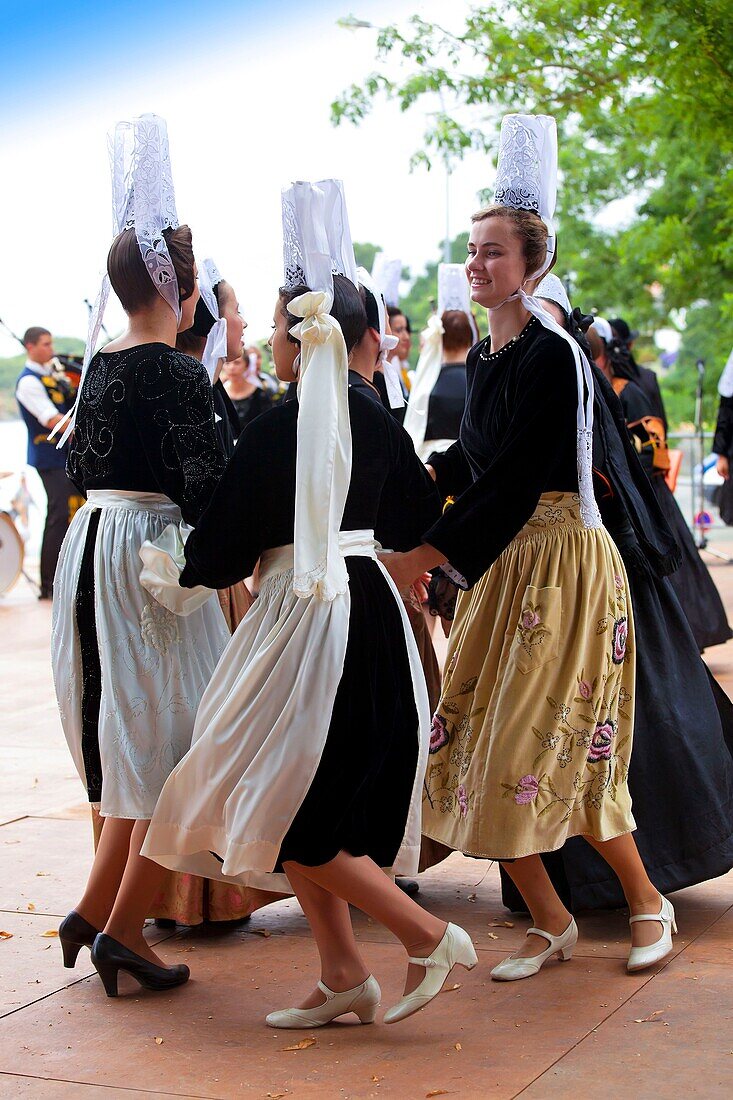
(33,395)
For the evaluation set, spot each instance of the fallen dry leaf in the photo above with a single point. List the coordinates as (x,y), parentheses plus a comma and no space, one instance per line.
(42,874)
(158,1040)
(437,1092)
(275,1095)
(303,1044)
(458,1046)
(472,897)
(31,906)
(261,932)
(493,936)
(452,988)
(651,1018)
(50,935)
(6,935)
(502,924)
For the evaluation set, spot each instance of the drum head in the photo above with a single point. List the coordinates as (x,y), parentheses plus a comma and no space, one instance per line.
(11,553)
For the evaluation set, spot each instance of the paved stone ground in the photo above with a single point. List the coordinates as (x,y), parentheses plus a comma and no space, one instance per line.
(582,1029)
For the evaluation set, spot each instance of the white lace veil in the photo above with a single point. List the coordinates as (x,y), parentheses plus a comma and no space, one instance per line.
(725,385)
(315,250)
(216,340)
(454,294)
(526,179)
(143,199)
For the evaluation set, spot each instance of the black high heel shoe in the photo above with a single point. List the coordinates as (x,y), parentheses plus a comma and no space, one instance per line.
(109,957)
(75,933)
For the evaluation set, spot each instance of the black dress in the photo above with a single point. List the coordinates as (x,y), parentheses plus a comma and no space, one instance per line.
(359,798)
(723,445)
(693,585)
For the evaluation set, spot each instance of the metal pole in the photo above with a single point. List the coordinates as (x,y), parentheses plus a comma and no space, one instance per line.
(447,257)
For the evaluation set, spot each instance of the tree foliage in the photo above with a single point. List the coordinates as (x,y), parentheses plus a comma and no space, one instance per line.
(642,94)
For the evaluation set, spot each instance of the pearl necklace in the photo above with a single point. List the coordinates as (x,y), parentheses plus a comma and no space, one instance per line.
(487,356)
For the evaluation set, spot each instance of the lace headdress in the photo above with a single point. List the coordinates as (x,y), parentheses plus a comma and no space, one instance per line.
(377,312)
(387,272)
(526,179)
(453,293)
(216,339)
(143,199)
(317,246)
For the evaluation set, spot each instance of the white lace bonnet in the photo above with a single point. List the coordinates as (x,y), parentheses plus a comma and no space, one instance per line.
(143,199)
(526,179)
(216,340)
(317,246)
(552,289)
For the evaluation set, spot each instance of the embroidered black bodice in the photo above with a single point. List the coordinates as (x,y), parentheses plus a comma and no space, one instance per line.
(145,423)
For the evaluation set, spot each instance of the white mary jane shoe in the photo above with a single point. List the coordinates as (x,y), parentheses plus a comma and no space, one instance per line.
(454,949)
(641,957)
(511,970)
(362,999)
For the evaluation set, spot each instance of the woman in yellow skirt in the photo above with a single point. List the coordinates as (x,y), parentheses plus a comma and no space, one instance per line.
(532,737)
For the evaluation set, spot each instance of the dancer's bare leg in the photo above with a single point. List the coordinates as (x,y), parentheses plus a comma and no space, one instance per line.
(547,910)
(140,881)
(342,967)
(359,881)
(107,870)
(622,855)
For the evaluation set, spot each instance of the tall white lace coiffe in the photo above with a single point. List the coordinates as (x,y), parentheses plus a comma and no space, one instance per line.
(387,342)
(453,294)
(317,246)
(386,275)
(552,288)
(143,199)
(216,340)
(526,179)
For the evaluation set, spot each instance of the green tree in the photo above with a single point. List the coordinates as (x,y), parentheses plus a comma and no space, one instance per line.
(641,93)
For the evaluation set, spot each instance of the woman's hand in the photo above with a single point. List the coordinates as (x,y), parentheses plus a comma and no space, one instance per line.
(723,466)
(405,569)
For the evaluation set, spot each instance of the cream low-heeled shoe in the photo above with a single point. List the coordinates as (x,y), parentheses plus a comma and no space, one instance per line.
(641,957)
(511,970)
(362,999)
(454,949)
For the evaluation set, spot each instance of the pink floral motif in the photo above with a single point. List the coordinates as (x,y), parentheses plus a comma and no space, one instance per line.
(600,746)
(438,734)
(619,581)
(585,689)
(620,638)
(530,619)
(526,790)
(462,796)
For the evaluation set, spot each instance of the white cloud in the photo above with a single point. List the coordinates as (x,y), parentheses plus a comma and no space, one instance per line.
(244,117)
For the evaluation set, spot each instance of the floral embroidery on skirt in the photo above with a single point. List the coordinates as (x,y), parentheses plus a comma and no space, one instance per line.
(532,737)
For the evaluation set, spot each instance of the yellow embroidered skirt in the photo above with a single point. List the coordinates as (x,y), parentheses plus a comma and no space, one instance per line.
(532,736)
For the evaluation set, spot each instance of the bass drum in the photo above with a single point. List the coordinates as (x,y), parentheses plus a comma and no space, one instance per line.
(11,553)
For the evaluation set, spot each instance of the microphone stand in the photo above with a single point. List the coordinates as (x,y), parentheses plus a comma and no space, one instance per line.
(698,483)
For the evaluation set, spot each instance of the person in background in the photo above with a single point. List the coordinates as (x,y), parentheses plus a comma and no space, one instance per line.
(399,326)
(250,393)
(42,401)
(644,377)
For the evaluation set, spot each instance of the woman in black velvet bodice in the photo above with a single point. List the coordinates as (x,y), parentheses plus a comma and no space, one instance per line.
(145,424)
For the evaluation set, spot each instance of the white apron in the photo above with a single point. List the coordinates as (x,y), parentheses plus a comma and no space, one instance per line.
(155,665)
(261,729)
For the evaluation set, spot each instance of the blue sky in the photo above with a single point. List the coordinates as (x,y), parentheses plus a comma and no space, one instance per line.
(245,88)
(59,49)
